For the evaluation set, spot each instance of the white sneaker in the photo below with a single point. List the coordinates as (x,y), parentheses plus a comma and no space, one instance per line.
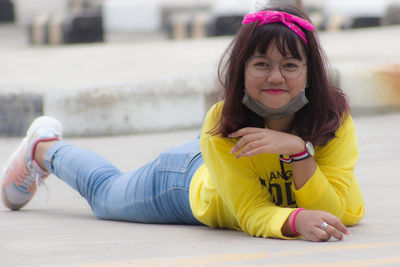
(22,175)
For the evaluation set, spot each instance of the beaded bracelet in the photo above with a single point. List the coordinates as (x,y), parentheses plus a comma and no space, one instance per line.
(292,220)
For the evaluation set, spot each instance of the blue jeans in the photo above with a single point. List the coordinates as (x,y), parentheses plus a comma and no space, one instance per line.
(158,192)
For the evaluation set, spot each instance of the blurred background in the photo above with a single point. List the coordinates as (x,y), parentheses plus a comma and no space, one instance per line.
(109,67)
(82,21)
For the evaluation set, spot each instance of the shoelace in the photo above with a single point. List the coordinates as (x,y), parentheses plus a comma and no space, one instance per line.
(37,179)
(40,181)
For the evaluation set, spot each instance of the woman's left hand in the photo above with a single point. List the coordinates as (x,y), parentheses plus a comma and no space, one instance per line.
(308,223)
(256,141)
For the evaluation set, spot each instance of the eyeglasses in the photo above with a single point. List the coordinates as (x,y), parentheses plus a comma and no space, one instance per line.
(290,68)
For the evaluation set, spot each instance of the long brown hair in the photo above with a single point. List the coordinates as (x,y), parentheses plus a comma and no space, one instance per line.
(318,120)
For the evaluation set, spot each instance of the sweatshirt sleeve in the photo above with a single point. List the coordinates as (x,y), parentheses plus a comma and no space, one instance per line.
(240,189)
(333,184)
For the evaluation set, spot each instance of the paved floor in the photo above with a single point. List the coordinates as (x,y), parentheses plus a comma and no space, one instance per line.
(63,232)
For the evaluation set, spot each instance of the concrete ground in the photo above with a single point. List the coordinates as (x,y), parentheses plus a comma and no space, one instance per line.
(63,232)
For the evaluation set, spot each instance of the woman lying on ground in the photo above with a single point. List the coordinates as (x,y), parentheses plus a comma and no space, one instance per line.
(275,158)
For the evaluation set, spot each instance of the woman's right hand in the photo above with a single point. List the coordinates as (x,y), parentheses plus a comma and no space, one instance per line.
(308,224)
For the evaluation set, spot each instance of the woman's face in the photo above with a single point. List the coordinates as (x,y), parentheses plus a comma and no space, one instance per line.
(274,80)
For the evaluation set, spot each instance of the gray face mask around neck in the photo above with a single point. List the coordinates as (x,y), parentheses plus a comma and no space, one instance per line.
(275,114)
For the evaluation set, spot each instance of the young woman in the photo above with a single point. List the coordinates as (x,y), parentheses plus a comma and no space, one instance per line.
(275,158)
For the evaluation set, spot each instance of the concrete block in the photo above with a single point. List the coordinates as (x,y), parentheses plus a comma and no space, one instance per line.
(188,24)
(17,111)
(363,22)
(169,9)
(225,24)
(372,90)
(130,108)
(25,10)
(132,16)
(178,27)
(392,15)
(199,25)
(85,26)
(6,11)
(81,5)
(38,33)
(336,22)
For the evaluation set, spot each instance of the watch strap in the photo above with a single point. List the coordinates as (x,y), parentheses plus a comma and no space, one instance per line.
(300,156)
(296,157)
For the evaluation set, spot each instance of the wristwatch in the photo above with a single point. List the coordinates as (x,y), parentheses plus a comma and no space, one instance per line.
(308,152)
(310,148)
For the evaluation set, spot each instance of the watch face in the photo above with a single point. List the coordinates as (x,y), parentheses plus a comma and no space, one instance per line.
(310,148)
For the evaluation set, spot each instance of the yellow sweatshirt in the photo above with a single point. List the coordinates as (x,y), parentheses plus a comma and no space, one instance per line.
(256,195)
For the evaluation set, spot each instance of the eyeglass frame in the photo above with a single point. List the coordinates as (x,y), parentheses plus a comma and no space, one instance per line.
(279,67)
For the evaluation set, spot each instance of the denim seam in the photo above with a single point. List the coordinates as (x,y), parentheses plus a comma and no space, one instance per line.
(178,188)
(163,193)
(190,157)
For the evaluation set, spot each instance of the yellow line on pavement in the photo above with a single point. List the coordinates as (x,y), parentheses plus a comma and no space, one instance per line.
(210,260)
(217,258)
(357,263)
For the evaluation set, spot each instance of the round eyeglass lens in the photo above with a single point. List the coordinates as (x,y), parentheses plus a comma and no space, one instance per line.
(290,68)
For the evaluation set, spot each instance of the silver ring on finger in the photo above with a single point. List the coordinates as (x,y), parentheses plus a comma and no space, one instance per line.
(324,225)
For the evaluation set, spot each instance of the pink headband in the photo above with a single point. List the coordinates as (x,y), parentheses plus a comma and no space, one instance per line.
(265,17)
